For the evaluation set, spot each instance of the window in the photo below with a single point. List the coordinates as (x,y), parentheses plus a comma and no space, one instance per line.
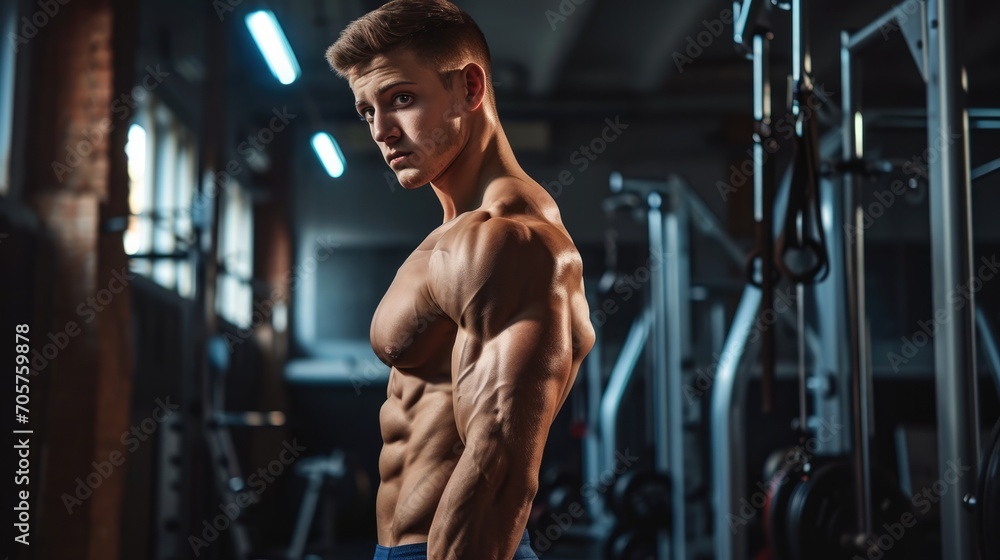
(234,297)
(162,168)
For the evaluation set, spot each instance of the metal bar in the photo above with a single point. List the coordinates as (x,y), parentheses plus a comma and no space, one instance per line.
(174,256)
(709,225)
(763,188)
(985,169)
(801,68)
(621,376)
(888,20)
(742,26)
(595,462)
(988,337)
(674,271)
(875,116)
(916,122)
(951,265)
(661,370)
(307,510)
(800,314)
(801,58)
(728,444)
(830,299)
(703,217)
(854,268)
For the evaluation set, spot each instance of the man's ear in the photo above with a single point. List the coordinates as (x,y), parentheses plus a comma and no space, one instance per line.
(474,83)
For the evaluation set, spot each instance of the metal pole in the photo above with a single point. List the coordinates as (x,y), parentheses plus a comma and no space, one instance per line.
(663,409)
(728,441)
(618,383)
(594,463)
(658,299)
(763,204)
(951,265)
(855,269)
(675,271)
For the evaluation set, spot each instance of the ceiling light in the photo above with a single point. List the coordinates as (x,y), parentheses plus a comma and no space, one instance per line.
(271,41)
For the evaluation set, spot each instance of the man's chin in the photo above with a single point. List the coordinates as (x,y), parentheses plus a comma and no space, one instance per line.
(410,179)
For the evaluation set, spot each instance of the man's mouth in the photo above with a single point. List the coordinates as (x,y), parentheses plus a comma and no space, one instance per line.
(396,157)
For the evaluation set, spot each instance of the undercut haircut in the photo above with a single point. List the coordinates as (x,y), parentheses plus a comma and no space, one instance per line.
(437,31)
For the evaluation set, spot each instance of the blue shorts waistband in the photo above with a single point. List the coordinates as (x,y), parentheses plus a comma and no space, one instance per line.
(418,551)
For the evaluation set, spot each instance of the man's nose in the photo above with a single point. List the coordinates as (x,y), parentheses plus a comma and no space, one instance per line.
(384,128)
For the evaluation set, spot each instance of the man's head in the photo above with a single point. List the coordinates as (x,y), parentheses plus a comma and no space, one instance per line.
(441,35)
(418,68)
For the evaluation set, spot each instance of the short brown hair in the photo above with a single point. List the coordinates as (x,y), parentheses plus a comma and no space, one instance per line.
(436,30)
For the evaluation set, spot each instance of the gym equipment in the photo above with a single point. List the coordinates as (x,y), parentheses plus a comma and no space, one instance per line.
(631,544)
(780,488)
(229,482)
(819,522)
(986,502)
(228,478)
(642,498)
(762,272)
(809,512)
(558,490)
(930,34)
(928,29)
(800,251)
(670,206)
(753,20)
(316,471)
(668,337)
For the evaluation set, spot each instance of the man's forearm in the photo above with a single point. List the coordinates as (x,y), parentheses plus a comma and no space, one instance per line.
(483,510)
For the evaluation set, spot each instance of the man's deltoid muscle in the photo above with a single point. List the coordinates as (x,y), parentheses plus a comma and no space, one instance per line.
(485,324)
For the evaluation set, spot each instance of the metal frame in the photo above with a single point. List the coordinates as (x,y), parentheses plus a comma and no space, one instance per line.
(729,449)
(951,233)
(669,232)
(729,389)
(672,209)
(938,63)
(860,384)
(614,394)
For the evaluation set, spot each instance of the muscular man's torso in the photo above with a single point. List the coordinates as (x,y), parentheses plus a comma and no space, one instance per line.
(421,442)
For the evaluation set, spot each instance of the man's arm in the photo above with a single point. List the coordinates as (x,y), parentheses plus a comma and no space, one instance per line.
(510,365)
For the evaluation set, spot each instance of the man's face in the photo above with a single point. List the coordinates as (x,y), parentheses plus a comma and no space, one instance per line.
(414,118)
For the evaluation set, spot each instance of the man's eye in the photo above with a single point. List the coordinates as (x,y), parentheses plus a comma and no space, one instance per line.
(367,114)
(403,99)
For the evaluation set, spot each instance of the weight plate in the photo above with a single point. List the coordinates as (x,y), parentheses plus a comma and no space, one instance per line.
(779,491)
(821,512)
(642,498)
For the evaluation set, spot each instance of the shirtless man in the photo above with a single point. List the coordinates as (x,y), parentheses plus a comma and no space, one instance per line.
(485,324)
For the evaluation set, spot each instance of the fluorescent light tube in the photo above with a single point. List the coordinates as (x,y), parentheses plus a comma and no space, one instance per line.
(329,154)
(271,41)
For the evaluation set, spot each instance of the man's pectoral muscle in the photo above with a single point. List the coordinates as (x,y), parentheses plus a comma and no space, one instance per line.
(511,364)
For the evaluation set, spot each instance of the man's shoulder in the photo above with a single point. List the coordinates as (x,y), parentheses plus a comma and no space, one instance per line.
(483,240)
(488,258)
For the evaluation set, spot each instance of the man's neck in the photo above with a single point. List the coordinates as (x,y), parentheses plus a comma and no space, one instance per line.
(486,156)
